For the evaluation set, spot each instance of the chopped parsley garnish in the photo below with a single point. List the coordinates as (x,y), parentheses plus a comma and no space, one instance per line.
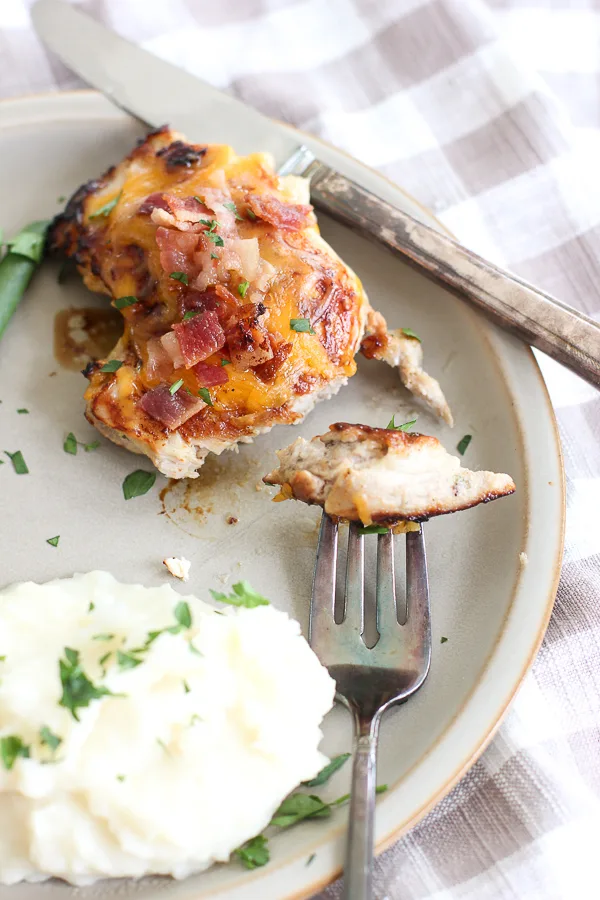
(127,660)
(179,276)
(301,325)
(22,411)
(78,690)
(325,774)
(138,483)
(53,541)
(381,788)
(49,739)
(120,778)
(372,529)
(225,362)
(230,205)
(443,640)
(216,239)
(211,224)
(19,464)
(243,288)
(464,443)
(214,256)
(186,687)
(175,386)
(391,426)
(111,366)
(191,313)
(254,853)
(92,606)
(103,637)
(297,807)
(103,660)
(183,614)
(243,595)
(408,332)
(70,444)
(311,858)
(183,617)
(61,199)
(199,199)
(122,302)
(11,748)
(107,208)
(251,215)
(205,394)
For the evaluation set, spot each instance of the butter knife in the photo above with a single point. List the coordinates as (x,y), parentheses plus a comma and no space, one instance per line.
(157,92)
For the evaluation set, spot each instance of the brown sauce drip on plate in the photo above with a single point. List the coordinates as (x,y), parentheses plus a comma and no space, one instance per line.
(82,335)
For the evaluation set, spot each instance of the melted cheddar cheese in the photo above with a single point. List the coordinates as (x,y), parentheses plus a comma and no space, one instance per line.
(107,229)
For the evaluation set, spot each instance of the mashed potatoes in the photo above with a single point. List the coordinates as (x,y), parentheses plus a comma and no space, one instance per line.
(181,728)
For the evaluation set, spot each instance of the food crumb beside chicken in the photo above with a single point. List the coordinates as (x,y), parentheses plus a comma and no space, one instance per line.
(381,476)
(179,567)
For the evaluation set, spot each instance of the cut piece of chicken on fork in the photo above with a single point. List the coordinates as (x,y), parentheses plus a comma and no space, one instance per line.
(382,476)
(384,481)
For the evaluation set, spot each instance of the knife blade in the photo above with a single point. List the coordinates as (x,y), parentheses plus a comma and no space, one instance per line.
(153,90)
(158,92)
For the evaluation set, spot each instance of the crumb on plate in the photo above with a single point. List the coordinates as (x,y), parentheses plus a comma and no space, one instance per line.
(178,567)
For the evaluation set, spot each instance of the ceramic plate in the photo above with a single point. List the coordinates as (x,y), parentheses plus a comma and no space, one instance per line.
(491,607)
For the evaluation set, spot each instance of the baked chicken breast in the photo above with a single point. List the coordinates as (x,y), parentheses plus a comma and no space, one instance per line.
(237,314)
(379,476)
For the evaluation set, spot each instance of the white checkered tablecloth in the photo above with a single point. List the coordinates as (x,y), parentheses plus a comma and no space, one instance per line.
(489,113)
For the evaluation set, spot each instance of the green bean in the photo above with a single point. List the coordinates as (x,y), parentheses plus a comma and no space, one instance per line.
(22,257)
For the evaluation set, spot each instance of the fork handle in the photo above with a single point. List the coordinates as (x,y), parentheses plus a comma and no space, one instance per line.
(358,873)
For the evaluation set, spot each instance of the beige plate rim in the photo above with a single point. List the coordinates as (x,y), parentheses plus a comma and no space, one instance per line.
(309,889)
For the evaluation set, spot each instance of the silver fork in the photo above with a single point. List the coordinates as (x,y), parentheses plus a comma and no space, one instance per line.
(369,679)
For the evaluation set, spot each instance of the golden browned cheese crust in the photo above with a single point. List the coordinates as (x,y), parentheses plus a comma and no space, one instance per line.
(109,229)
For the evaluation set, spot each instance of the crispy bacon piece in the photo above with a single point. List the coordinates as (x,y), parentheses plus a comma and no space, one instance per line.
(217,298)
(248,340)
(199,337)
(182,213)
(160,364)
(170,409)
(268,370)
(177,251)
(154,201)
(286,216)
(210,376)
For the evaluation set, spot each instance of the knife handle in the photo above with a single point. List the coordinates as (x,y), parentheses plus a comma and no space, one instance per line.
(568,336)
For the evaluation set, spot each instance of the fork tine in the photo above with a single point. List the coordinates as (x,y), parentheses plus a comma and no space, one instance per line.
(354,614)
(387,617)
(418,620)
(323,592)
